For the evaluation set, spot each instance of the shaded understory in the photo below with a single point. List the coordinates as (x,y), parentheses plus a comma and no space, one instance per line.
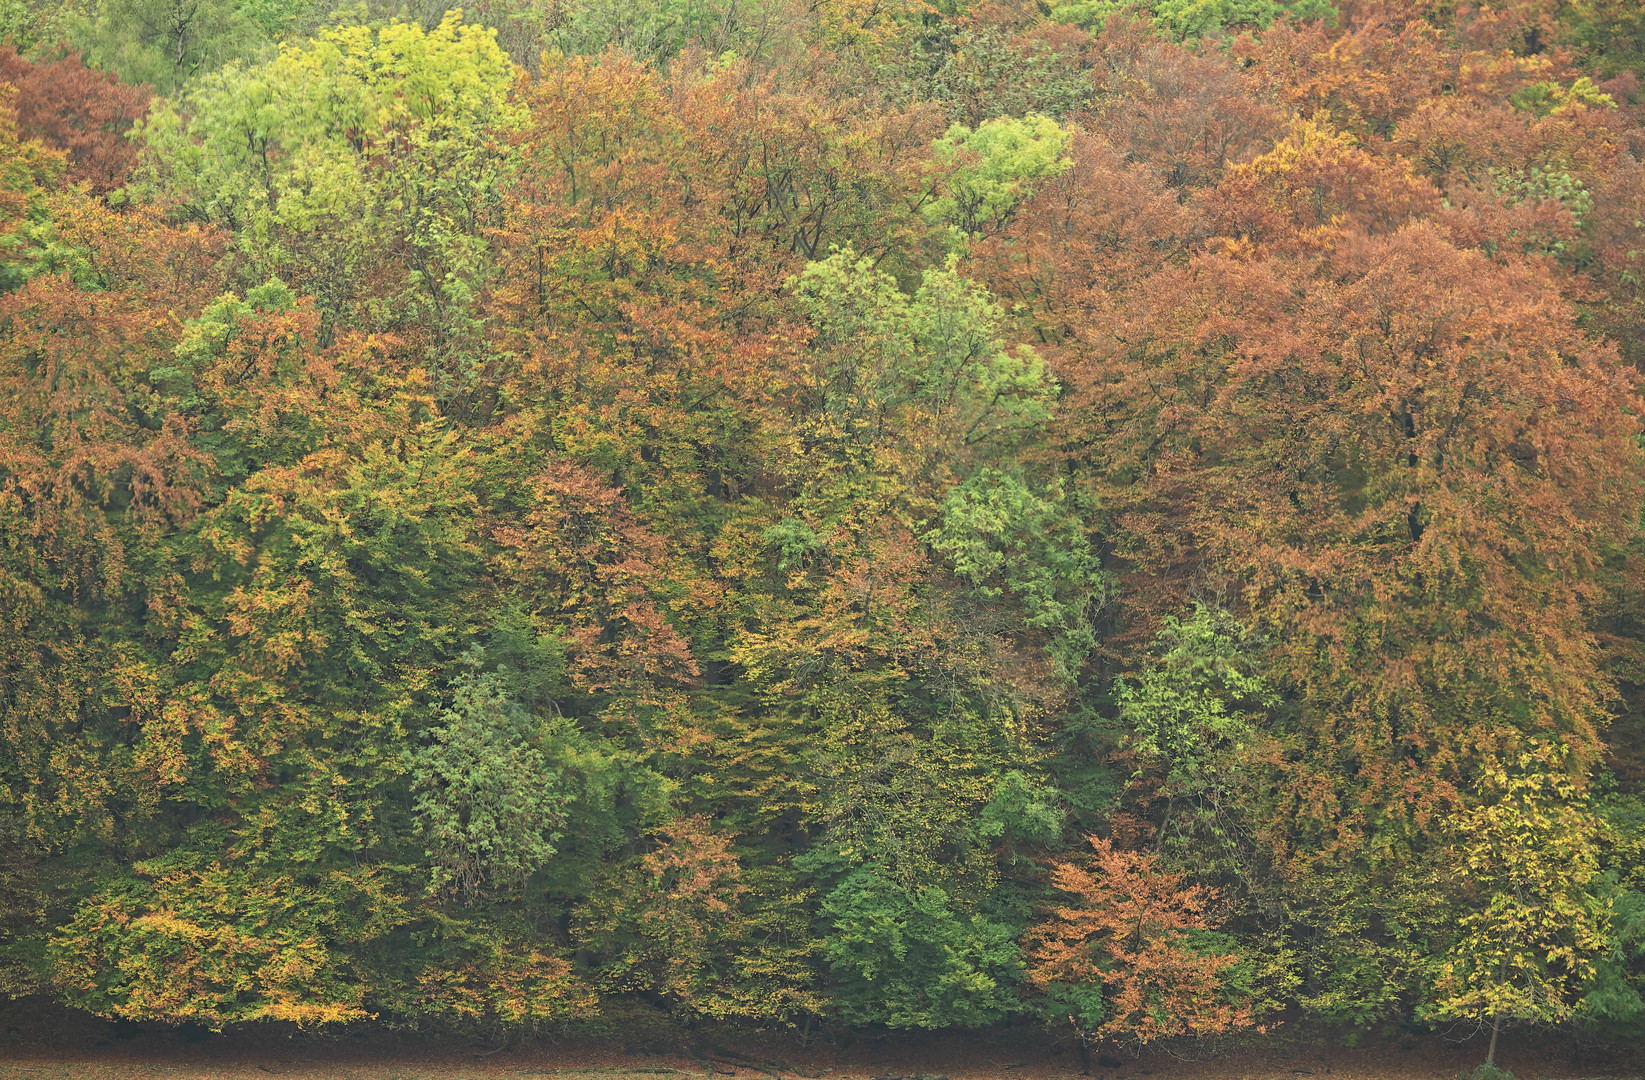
(44,1043)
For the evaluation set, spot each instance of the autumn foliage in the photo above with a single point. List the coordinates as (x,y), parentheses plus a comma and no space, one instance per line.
(86,114)
(1118,517)
(1128,927)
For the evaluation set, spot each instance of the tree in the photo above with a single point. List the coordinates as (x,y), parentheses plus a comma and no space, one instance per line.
(1613,33)
(1127,956)
(890,362)
(27,172)
(667,921)
(912,958)
(1010,540)
(86,114)
(1532,930)
(90,482)
(713,515)
(1189,20)
(1196,715)
(490,801)
(164,43)
(997,166)
(1240,367)
(353,166)
(1002,63)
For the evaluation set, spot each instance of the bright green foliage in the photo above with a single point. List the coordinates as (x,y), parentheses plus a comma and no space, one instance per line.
(490,801)
(996,167)
(1536,183)
(28,172)
(1187,20)
(1190,20)
(20,24)
(1023,809)
(341,152)
(934,359)
(1550,98)
(1007,540)
(1192,712)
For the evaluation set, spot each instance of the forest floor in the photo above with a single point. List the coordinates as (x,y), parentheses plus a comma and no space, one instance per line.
(43,1047)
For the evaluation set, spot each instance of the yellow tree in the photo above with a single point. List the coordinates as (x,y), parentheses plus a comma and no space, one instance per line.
(1532,930)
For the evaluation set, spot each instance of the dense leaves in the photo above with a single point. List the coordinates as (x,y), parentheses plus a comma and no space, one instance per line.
(1123,516)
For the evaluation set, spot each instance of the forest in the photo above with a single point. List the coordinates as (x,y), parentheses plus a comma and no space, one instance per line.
(824,515)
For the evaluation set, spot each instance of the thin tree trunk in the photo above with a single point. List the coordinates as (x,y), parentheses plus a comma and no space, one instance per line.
(1496,1026)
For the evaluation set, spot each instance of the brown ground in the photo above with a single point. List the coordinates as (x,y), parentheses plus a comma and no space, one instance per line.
(44,1046)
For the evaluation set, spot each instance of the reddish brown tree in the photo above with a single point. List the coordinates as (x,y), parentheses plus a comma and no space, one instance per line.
(1184,113)
(1413,462)
(82,112)
(1128,927)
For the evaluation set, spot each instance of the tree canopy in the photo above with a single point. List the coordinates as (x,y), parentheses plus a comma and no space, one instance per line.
(1118,515)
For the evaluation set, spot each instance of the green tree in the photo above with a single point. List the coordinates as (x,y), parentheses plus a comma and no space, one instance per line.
(1190,20)
(1193,714)
(165,43)
(1008,540)
(358,167)
(912,958)
(1611,32)
(491,803)
(995,167)
(932,368)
